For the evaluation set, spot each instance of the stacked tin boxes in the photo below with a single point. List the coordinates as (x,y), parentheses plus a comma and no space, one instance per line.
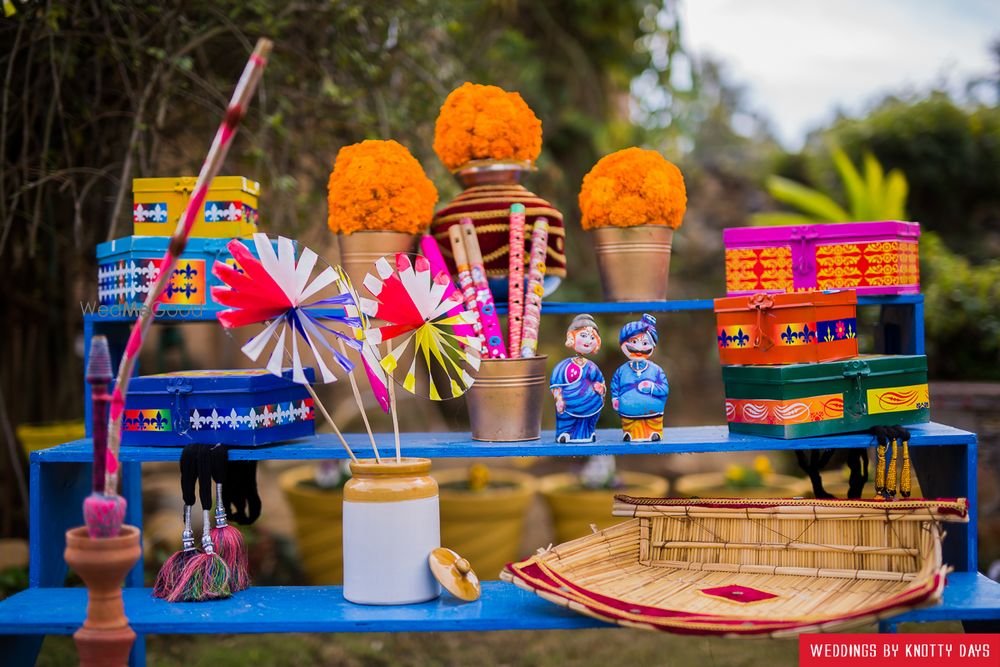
(788,335)
(128,266)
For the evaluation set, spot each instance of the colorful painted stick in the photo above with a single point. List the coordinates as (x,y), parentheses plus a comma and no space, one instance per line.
(536,287)
(515,279)
(209,169)
(484,297)
(465,282)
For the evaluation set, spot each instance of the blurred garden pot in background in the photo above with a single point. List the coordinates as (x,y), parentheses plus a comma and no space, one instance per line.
(505,402)
(634,262)
(318,530)
(391,525)
(575,508)
(485,526)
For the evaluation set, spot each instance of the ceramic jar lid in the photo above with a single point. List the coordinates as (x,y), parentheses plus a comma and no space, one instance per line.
(455,574)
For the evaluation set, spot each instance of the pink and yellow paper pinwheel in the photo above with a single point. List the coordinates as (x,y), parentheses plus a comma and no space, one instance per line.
(429,350)
(292,298)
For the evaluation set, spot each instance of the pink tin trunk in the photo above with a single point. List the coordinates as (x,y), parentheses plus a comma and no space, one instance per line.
(872,257)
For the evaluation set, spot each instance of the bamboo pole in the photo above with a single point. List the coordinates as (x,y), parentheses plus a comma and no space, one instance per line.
(329,420)
(392,406)
(361,405)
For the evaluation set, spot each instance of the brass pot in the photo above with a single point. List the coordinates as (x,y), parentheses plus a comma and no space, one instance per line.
(358,251)
(505,402)
(634,261)
(105,638)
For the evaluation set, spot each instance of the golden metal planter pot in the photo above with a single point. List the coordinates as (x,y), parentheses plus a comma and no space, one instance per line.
(485,526)
(318,525)
(358,251)
(634,262)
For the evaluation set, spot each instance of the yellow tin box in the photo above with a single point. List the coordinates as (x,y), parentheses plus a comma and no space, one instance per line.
(230,209)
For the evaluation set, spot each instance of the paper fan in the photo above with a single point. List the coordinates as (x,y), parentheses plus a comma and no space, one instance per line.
(369,353)
(428,351)
(295,299)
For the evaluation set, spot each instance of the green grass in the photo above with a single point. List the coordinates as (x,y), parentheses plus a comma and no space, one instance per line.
(581,648)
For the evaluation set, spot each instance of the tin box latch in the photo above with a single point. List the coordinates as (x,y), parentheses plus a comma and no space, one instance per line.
(855,398)
(179,388)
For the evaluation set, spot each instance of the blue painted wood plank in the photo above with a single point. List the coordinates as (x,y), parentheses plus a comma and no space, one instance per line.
(291,609)
(967,596)
(677,440)
(56,501)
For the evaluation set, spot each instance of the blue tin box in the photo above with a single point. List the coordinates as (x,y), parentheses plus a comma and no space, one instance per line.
(245,408)
(127,267)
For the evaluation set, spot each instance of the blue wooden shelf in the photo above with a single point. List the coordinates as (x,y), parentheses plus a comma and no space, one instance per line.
(40,611)
(676,440)
(207,313)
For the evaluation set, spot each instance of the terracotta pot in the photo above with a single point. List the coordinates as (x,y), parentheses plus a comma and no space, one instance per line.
(358,251)
(392,522)
(105,638)
(575,509)
(318,525)
(713,485)
(634,262)
(506,400)
(485,527)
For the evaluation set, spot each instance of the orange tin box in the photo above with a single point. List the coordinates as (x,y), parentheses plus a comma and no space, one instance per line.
(797,328)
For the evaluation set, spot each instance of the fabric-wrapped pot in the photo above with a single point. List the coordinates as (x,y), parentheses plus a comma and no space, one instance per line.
(490,189)
(634,262)
(318,514)
(485,526)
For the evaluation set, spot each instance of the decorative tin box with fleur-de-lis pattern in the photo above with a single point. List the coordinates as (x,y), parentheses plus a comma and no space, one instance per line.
(230,407)
(871,257)
(802,400)
(787,328)
(229,211)
(127,267)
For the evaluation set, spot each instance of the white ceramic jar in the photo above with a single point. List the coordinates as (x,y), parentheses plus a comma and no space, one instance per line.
(391,524)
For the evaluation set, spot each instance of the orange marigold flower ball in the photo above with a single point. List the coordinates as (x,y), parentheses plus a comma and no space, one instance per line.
(379,185)
(633,187)
(486,123)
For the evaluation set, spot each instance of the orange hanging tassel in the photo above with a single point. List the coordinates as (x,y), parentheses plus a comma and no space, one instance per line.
(880,469)
(890,475)
(905,474)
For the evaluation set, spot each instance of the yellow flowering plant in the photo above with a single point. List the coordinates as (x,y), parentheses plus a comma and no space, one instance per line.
(633,187)
(757,474)
(379,185)
(479,122)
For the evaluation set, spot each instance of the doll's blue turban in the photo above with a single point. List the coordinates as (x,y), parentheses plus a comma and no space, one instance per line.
(646,324)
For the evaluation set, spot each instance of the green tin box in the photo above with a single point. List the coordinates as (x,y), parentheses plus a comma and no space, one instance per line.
(802,400)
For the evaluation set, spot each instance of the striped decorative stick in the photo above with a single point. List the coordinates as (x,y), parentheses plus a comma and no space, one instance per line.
(536,287)
(209,169)
(484,297)
(465,282)
(515,284)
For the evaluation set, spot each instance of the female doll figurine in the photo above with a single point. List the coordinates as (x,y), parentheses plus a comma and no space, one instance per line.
(639,388)
(578,385)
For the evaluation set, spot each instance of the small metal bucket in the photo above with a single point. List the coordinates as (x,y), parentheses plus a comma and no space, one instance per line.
(634,261)
(505,402)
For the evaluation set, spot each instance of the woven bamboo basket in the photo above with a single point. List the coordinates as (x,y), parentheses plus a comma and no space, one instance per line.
(749,567)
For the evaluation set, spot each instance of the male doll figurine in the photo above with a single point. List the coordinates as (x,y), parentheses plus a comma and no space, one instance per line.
(578,385)
(639,388)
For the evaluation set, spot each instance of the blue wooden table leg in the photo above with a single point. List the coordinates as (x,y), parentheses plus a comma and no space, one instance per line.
(887,627)
(950,472)
(137,658)
(131,490)
(20,650)
(56,501)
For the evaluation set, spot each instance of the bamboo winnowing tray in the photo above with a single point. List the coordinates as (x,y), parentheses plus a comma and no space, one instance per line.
(738,567)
